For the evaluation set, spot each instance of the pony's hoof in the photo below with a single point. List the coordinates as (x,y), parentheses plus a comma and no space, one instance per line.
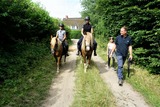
(57,71)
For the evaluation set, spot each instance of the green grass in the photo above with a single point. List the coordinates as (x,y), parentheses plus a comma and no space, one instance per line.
(141,80)
(147,84)
(91,91)
(31,89)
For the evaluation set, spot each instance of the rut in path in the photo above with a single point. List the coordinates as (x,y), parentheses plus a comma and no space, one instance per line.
(125,95)
(61,92)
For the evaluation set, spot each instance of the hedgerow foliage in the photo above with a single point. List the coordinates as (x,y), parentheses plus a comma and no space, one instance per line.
(143,20)
(24,36)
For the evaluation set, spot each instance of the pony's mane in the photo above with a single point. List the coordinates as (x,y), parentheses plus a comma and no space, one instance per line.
(88,36)
(53,40)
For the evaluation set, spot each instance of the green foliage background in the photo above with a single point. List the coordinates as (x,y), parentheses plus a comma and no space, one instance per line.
(76,34)
(25,36)
(143,20)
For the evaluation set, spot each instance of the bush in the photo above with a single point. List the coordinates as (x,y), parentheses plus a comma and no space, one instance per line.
(22,58)
(76,34)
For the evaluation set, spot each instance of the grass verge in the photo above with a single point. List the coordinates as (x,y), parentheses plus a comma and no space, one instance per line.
(31,89)
(91,91)
(141,80)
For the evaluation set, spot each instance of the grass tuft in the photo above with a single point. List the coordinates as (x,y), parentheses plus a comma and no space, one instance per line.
(147,84)
(91,91)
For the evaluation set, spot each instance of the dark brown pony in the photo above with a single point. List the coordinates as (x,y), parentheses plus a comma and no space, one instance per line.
(87,49)
(57,51)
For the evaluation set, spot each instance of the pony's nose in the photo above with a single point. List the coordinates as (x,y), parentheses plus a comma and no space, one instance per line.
(87,48)
(52,52)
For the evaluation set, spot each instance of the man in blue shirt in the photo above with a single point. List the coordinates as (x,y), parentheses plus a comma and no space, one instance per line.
(123,45)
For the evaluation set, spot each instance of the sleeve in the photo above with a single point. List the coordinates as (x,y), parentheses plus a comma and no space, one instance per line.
(64,32)
(116,40)
(130,42)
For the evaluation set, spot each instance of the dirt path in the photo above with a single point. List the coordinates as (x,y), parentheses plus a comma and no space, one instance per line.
(125,95)
(61,91)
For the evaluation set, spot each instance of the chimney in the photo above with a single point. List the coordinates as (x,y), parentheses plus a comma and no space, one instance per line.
(66,16)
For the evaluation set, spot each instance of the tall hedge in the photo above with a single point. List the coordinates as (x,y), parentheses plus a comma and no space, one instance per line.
(24,36)
(142,18)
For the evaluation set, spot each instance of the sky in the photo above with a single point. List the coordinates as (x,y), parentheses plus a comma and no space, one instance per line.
(61,8)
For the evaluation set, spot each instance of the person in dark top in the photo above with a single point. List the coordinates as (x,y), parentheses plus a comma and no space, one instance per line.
(123,45)
(87,27)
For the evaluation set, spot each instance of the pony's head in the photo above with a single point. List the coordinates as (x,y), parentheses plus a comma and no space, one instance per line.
(88,41)
(54,44)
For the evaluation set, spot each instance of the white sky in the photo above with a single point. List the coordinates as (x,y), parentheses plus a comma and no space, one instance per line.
(61,8)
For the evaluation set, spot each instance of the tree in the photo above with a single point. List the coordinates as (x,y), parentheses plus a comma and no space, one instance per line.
(142,18)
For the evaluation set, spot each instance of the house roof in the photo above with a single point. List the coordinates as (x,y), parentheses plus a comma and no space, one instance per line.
(73,21)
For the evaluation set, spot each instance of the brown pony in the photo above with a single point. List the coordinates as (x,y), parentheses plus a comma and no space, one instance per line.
(87,49)
(57,51)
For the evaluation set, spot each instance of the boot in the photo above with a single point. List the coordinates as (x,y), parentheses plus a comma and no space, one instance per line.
(77,52)
(95,54)
(67,54)
(67,51)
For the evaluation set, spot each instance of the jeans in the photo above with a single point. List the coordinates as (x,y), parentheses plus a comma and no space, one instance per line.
(121,61)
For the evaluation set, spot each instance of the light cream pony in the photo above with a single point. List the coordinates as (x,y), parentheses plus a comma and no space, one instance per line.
(87,49)
(57,51)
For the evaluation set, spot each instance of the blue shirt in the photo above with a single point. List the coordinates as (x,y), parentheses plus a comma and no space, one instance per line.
(122,44)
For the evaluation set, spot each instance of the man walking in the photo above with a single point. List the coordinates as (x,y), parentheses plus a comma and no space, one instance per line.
(123,45)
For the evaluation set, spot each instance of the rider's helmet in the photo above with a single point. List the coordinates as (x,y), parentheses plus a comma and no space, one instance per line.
(61,25)
(87,18)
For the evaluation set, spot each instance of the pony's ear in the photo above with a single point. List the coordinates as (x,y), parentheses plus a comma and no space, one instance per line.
(51,36)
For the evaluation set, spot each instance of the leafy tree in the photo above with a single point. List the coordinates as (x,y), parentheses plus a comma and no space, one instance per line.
(25,33)
(142,18)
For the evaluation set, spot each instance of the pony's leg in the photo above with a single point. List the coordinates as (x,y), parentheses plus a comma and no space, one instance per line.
(58,64)
(85,65)
(89,59)
(57,68)
(60,59)
(56,59)
(64,58)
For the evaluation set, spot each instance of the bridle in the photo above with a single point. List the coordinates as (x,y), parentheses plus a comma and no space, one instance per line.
(87,46)
(53,50)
